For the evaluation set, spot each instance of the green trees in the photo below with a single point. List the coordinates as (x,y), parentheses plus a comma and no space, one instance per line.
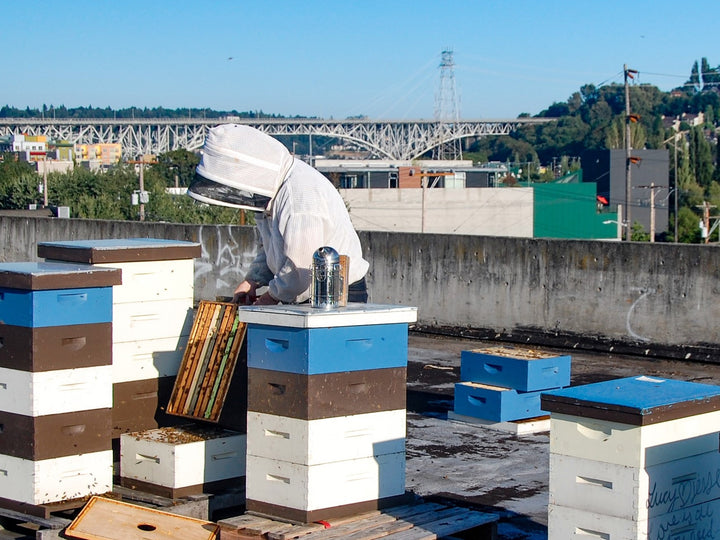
(18,184)
(107,194)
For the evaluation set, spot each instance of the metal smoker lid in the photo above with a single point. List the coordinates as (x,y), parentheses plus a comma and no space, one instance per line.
(326,256)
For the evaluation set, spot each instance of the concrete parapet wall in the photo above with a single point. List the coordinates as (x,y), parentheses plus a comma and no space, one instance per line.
(651,299)
(489,212)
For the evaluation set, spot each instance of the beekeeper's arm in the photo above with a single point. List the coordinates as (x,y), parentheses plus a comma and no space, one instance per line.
(302,234)
(257,276)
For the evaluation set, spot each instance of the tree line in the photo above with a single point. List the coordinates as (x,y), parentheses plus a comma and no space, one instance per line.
(61,111)
(107,194)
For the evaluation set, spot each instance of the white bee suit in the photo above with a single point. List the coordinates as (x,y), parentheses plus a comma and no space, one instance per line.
(305,211)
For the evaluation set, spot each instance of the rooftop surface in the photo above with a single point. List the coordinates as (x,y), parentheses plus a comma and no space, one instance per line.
(491,470)
(488,469)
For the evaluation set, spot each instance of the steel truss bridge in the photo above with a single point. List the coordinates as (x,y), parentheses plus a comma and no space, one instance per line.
(386,139)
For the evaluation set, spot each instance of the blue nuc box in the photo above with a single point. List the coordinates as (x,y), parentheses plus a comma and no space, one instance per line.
(494,403)
(521,370)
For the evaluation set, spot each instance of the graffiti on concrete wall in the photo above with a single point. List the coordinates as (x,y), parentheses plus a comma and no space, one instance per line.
(225,258)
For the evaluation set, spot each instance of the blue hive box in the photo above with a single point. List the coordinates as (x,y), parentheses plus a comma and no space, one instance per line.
(495,403)
(311,351)
(55,294)
(304,340)
(508,367)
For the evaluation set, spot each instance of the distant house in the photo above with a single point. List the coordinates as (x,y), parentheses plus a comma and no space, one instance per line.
(692,119)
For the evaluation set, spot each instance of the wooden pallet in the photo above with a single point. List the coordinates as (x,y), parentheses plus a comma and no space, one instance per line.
(208,362)
(423,521)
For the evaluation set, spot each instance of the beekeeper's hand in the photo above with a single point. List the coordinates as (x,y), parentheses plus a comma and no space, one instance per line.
(266,300)
(245,293)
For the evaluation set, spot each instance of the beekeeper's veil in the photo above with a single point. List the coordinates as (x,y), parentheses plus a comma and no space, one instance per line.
(241,167)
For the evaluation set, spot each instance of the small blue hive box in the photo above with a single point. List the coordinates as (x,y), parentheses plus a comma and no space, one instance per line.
(520,369)
(494,403)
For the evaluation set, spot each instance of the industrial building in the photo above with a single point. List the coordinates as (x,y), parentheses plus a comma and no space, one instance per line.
(446,197)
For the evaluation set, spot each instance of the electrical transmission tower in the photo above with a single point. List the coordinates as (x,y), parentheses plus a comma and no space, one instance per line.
(446,110)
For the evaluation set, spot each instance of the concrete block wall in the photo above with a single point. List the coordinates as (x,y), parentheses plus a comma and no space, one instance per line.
(642,298)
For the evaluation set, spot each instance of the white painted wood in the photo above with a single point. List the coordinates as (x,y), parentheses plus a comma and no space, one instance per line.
(144,281)
(306,316)
(147,359)
(174,458)
(56,479)
(326,440)
(55,392)
(631,492)
(634,446)
(699,521)
(139,321)
(314,487)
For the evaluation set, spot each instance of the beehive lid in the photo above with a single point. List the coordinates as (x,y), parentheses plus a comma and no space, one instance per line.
(118,250)
(638,401)
(306,316)
(36,276)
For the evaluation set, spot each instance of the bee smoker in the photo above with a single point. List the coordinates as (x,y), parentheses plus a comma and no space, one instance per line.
(329,279)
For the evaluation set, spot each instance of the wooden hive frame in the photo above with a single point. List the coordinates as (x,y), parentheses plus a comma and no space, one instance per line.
(208,363)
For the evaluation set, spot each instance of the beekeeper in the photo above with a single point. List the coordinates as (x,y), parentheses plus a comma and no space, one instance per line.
(297,210)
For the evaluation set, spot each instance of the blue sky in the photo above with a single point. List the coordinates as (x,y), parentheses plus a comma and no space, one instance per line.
(334,59)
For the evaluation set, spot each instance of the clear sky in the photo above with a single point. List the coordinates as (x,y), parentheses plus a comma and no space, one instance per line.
(340,58)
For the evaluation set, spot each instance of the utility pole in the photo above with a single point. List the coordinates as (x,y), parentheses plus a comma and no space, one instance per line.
(677,190)
(45,176)
(652,187)
(142,191)
(705,227)
(629,73)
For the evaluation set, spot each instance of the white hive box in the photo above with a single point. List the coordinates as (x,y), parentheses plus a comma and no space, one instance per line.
(630,492)
(313,442)
(57,479)
(181,460)
(695,522)
(152,320)
(633,446)
(148,359)
(55,392)
(144,281)
(311,487)
(635,421)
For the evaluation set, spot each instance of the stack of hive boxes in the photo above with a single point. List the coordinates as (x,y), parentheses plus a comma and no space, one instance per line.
(55,383)
(326,409)
(152,315)
(502,384)
(634,458)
